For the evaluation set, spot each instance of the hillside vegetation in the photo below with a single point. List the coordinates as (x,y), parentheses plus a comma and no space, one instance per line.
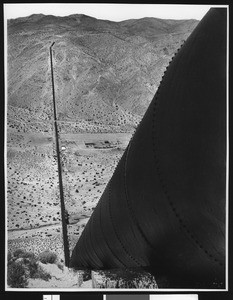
(106,73)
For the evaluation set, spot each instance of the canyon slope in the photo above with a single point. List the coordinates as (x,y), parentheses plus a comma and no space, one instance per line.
(106,73)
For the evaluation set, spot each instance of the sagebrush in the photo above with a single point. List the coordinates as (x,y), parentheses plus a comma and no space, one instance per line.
(23,265)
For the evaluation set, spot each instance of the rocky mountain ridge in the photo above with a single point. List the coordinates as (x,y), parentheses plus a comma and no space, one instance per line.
(106,73)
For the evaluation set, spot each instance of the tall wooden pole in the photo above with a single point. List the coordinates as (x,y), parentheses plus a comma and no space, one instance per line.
(64,226)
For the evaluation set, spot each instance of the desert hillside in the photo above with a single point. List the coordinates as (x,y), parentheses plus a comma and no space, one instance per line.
(106,73)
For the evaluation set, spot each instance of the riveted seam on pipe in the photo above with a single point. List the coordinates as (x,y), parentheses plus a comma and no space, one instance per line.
(107,241)
(110,213)
(162,181)
(90,235)
(129,204)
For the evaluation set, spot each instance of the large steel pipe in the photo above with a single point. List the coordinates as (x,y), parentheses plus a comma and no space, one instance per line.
(164,207)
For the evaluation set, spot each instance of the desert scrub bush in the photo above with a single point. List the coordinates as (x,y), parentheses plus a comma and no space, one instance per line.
(35,270)
(23,265)
(41,274)
(18,253)
(47,257)
(17,275)
(31,265)
(29,255)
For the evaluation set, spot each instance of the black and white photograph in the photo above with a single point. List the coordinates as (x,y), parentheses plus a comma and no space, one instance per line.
(116,147)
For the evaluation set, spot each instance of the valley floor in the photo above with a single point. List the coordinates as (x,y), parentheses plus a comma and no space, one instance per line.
(33,203)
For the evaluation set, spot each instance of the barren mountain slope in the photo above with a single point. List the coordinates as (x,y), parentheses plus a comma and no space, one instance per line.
(106,73)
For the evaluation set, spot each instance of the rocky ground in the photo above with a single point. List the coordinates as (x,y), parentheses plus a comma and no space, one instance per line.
(65,279)
(33,203)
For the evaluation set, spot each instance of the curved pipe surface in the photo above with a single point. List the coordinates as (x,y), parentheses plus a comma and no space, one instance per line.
(164,207)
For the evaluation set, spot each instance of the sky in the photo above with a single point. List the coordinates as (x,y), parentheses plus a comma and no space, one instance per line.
(113,12)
